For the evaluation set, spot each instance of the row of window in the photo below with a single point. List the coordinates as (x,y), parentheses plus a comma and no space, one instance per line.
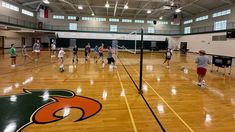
(219,25)
(110,19)
(113,28)
(217,14)
(15,8)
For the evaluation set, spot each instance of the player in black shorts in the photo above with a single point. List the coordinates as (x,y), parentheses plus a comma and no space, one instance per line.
(75,53)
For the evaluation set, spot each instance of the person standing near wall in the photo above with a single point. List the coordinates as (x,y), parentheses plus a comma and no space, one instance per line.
(25,54)
(13,56)
(168,56)
(202,62)
(36,50)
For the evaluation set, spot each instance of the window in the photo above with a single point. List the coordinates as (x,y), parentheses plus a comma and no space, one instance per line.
(187,30)
(151,30)
(113,28)
(73,26)
(222,13)
(100,19)
(58,17)
(201,18)
(72,17)
(127,20)
(29,13)
(188,21)
(220,25)
(139,21)
(150,22)
(10,6)
(162,22)
(87,18)
(113,20)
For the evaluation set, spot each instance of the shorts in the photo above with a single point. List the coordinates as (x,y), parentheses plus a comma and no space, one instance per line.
(13,57)
(201,71)
(110,60)
(37,51)
(86,54)
(168,58)
(101,54)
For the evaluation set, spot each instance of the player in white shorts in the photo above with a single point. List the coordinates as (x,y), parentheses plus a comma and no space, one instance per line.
(61,59)
(36,50)
(53,48)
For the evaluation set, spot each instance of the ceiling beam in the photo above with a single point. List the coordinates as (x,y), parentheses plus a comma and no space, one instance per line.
(89,6)
(123,8)
(227,1)
(71,5)
(31,3)
(199,6)
(115,8)
(146,4)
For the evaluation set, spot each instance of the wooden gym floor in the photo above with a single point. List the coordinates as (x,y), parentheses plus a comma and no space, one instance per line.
(36,97)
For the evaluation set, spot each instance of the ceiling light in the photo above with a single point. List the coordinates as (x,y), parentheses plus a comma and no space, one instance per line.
(80,7)
(126,6)
(161,18)
(46,1)
(178,10)
(149,11)
(107,4)
(93,14)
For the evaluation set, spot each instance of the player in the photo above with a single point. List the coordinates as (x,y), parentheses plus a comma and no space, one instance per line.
(101,53)
(53,48)
(61,59)
(110,57)
(202,62)
(25,54)
(36,50)
(75,53)
(96,52)
(168,56)
(13,56)
(87,51)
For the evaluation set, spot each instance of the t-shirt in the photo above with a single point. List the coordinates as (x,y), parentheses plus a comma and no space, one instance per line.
(24,50)
(110,53)
(168,54)
(13,52)
(101,49)
(202,61)
(53,46)
(75,50)
(36,46)
(96,49)
(61,53)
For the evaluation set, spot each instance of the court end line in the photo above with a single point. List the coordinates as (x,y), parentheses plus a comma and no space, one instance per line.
(127,104)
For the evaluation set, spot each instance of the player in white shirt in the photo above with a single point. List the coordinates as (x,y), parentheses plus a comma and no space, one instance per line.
(53,48)
(61,59)
(36,50)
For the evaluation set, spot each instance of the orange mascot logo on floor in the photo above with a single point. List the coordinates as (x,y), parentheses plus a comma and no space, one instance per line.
(40,107)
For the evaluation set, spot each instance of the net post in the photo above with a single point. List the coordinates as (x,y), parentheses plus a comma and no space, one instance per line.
(141,62)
